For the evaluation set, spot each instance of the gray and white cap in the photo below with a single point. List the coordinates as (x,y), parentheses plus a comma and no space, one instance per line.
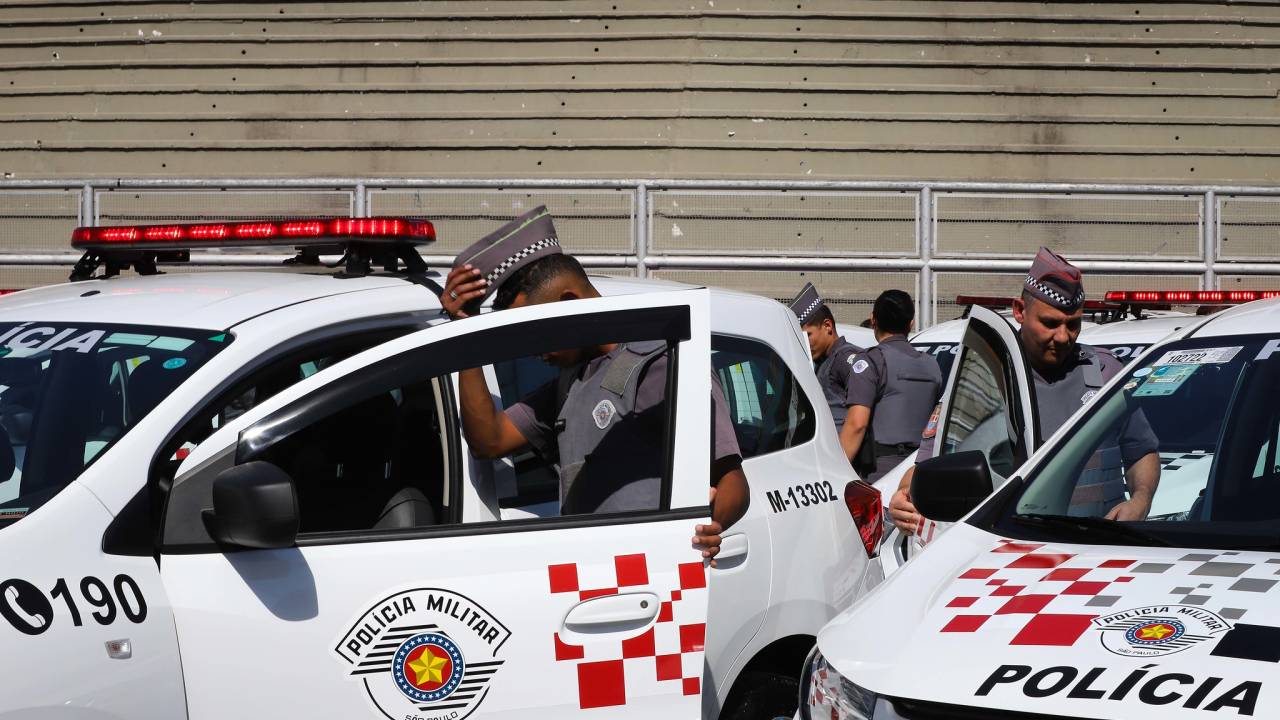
(509,248)
(807,303)
(1055,281)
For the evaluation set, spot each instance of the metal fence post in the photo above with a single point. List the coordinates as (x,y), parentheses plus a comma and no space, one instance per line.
(924,240)
(1210,238)
(640,229)
(86,206)
(361,207)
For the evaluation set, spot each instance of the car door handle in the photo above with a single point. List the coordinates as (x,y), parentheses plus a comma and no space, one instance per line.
(612,614)
(733,546)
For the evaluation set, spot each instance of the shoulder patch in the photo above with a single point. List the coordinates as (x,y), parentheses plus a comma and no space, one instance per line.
(603,413)
(852,357)
(859,366)
(931,428)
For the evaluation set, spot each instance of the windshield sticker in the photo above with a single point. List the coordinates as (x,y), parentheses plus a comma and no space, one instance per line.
(1158,630)
(1142,372)
(1165,380)
(26,340)
(1199,356)
(1147,685)
(425,650)
(174,363)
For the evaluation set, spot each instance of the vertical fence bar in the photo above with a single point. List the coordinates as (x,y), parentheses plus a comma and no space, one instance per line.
(1210,237)
(86,206)
(361,208)
(640,229)
(924,244)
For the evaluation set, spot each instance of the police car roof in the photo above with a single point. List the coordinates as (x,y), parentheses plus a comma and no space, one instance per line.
(197,300)
(1260,316)
(1141,331)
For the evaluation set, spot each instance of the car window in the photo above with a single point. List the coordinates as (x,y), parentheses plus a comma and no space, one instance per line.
(69,391)
(769,410)
(376,464)
(978,415)
(1196,426)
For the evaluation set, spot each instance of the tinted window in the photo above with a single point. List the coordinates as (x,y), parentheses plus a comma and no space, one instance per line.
(978,415)
(69,391)
(944,353)
(768,409)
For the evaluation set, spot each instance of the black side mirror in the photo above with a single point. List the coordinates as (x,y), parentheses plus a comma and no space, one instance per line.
(947,487)
(254,506)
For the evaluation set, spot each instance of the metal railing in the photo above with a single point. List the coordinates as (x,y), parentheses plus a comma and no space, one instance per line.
(755,235)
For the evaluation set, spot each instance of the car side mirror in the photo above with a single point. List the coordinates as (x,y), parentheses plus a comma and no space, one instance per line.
(947,487)
(254,506)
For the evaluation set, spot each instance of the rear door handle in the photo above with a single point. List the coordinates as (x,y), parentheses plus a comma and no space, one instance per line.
(611,614)
(732,546)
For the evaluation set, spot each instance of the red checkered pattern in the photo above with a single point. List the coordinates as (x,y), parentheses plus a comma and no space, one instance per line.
(669,651)
(1033,595)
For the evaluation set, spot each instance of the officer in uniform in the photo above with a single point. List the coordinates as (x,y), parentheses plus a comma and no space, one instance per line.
(603,418)
(832,355)
(1066,375)
(892,387)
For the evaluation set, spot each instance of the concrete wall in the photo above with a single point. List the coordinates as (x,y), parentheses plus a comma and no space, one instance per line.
(807,89)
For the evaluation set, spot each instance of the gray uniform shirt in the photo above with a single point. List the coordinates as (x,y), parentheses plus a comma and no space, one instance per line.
(833,375)
(619,475)
(1059,395)
(900,385)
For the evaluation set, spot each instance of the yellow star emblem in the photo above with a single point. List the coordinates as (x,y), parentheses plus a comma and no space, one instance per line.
(428,667)
(1155,632)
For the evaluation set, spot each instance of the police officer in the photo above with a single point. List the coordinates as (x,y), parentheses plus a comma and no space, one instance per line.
(892,387)
(603,417)
(1066,375)
(832,354)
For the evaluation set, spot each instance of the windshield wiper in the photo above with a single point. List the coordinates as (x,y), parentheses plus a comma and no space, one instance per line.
(1094,526)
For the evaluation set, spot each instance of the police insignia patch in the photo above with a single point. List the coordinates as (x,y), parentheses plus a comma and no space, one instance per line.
(851,358)
(603,413)
(426,653)
(1087,396)
(859,366)
(931,428)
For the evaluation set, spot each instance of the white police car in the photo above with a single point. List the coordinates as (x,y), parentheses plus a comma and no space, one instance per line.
(1123,323)
(245,494)
(1036,606)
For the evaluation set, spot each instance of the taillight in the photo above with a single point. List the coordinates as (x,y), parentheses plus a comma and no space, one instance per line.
(868,514)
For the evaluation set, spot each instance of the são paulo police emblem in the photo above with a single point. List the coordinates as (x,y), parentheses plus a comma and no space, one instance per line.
(426,653)
(1158,630)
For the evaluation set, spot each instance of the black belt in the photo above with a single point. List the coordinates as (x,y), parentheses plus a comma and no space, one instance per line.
(896,448)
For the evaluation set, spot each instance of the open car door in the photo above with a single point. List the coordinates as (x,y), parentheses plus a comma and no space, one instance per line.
(393,598)
(989,405)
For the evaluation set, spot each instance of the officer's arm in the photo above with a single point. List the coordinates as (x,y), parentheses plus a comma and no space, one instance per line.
(732,497)
(1143,477)
(488,430)
(854,430)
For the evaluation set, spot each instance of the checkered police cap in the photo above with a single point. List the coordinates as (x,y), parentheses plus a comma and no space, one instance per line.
(1055,281)
(514,245)
(807,303)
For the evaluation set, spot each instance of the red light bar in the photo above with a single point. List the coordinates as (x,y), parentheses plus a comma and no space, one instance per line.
(1190,297)
(1004,302)
(292,233)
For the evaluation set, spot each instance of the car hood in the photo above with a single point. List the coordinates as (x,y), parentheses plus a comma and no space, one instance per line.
(1087,631)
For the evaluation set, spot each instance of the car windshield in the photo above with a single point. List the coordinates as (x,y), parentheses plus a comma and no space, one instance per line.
(944,353)
(1198,423)
(70,390)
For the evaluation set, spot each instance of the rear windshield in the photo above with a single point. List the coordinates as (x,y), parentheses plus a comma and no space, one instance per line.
(944,353)
(70,390)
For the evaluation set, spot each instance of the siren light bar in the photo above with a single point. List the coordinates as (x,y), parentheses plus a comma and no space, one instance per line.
(1189,297)
(291,232)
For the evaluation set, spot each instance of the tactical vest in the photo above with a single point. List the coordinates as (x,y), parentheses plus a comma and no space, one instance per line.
(833,376)
(912,383)
(611,459)
(1060,399)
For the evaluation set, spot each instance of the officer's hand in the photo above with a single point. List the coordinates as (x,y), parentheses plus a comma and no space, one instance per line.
(463,285)
(1135,508)
(707,537)
(903,512)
